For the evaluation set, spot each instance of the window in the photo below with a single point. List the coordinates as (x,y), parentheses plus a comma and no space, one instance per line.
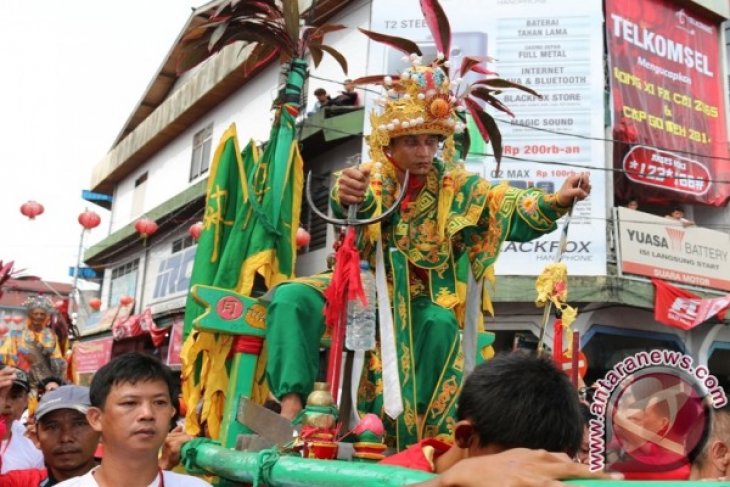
(201,152)
(316,227)
(182,244)
(124,281)
(138,196)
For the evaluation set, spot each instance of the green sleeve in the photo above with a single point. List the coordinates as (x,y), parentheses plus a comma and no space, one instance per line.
(520,215)
(535,213)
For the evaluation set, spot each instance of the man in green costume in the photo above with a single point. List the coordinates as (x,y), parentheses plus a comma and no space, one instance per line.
(451,223)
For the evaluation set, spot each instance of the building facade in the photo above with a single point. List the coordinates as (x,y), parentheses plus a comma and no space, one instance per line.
(159,165)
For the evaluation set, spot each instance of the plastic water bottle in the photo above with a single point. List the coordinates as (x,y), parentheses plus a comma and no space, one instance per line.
(360,334)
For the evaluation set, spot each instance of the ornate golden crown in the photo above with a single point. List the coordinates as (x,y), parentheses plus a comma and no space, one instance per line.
(423,100)
(419,102)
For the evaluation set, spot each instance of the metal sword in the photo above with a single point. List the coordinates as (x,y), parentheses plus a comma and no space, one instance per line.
(334,362)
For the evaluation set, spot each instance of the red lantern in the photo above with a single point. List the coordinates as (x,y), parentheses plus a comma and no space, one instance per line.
(32,209)
(125,300)
(95,304)
(303,237)
(18,319)
(3,329)
(145,227)
(7,318)
(89,220)
(195,230)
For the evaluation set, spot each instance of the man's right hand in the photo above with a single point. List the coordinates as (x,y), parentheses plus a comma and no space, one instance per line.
(519,467)
(7,376)
(353,184)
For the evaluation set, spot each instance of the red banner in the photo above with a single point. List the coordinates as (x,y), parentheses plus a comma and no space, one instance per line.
(92,355)
(669,111)
(685,310)
(175,344)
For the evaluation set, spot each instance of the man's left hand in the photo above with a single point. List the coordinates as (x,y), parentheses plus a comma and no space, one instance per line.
(575,188)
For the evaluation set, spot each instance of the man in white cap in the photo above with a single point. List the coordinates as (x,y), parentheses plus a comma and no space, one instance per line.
(64,436)
(17,451)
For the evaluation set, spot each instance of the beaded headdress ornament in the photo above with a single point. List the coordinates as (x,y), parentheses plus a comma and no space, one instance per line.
(38,301)
(424,99)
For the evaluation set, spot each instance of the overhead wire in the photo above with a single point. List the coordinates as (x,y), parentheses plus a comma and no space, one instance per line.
(506,158)
(538,161)
(568,134)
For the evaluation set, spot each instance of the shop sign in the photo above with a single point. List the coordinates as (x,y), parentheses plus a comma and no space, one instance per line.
(655,246)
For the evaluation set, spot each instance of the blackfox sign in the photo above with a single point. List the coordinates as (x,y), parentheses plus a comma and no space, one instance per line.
(659,247)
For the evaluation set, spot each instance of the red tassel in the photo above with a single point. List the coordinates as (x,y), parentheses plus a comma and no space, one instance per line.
(345,284)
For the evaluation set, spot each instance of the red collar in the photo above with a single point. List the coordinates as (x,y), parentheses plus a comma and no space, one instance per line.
(415,184)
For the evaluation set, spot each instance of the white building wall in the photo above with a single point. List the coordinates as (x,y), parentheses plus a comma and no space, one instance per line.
(316,261)
(250,109)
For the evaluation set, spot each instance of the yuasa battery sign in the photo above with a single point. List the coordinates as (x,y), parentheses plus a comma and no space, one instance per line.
(554,47)
(659,247)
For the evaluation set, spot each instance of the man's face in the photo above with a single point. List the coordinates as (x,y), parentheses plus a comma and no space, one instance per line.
(135,417)
(16,401)
(350,87)
(67,439)
(633,205)
(322,97)
(415,152)
(677,214)
(37,316)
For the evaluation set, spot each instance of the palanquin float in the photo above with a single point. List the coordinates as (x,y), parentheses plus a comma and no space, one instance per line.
(247,246)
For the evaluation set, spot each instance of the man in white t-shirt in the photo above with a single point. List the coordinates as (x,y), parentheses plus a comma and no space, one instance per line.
(16,450)
(131,406)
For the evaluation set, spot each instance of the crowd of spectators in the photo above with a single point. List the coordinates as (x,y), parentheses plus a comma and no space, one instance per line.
(520,421)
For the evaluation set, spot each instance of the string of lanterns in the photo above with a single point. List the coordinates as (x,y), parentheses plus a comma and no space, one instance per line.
(145,227)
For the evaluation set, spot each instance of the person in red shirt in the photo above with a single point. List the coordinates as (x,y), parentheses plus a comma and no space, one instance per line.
(63,435)
(512,401)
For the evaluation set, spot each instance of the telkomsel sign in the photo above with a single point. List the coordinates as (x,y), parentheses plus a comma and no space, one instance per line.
(667,92)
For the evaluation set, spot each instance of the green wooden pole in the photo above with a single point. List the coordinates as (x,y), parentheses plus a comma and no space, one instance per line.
(242,316)
(240,466)
(285,132)
(287,471)
(240,384)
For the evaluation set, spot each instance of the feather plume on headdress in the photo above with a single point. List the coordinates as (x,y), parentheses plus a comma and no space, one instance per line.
(424,99)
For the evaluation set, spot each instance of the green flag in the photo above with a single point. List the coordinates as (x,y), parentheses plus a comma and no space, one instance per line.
(249,229)
(226,195)
(271,250)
